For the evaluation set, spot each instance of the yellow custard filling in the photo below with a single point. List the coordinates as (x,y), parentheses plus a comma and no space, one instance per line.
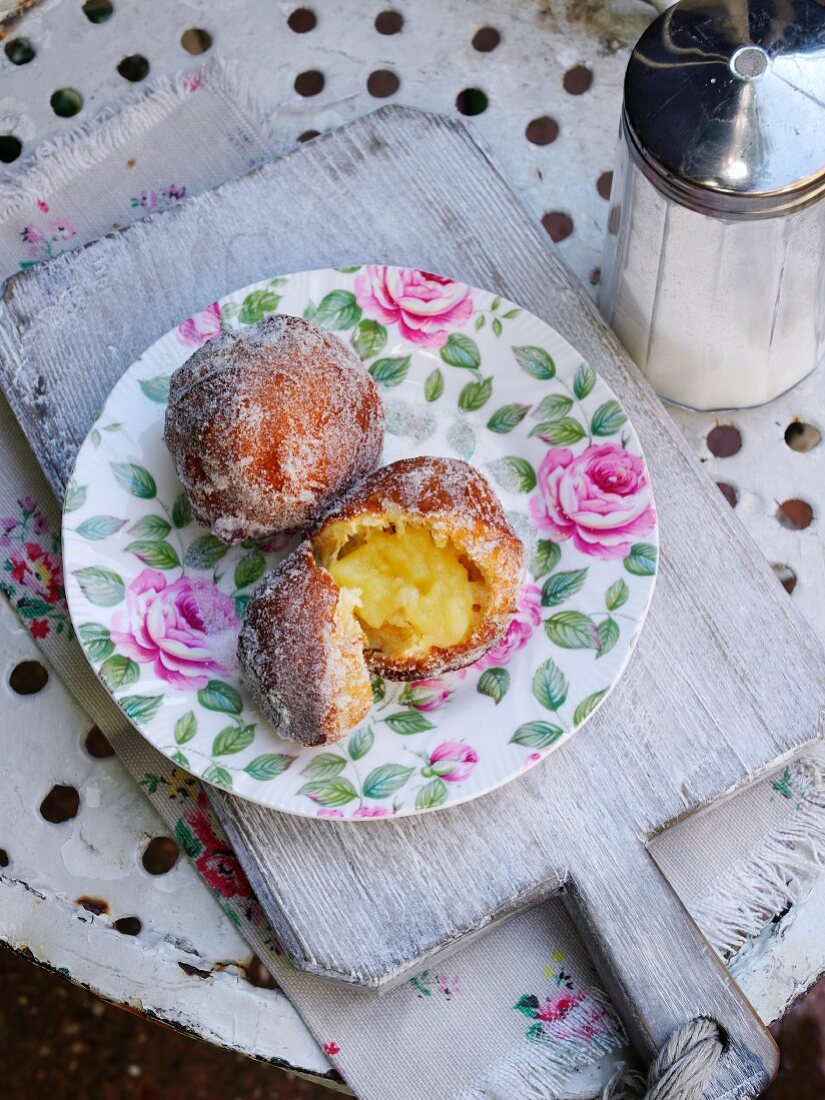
(415,591)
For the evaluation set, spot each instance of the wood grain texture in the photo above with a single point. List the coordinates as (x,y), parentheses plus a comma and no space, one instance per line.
(726,683)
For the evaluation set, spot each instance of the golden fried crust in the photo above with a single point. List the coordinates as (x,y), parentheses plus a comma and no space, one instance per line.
(301,662)
(268,425)
(448,496)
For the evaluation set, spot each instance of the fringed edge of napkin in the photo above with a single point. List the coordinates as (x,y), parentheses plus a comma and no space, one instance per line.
(778,873)
(58,162)
(541,1064)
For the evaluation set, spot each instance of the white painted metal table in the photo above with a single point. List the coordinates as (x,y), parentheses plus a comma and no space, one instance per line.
(548,78)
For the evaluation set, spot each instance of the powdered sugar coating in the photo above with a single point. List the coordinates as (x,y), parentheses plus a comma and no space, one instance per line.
(452,499)
(268,425)
(296,652)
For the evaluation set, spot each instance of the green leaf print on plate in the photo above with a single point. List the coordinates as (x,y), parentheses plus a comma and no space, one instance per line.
(536,735)
(461,351)
(181,511)
(550,685)
(268,766)
(338,310)
(96,641)
(233,739)
(360,743)
(324,766)
(368,338)
(135,479)
(572,630)
(156,389)
(205,552)
(546,557)
(584,381)
(494,683)
(329,793)
(390,372)
(221,696)
(507,418)
(432,794)
(386,780)
(475,395)
(608,418)
(617,595)
(140,708)
(408,723)
(97,528)
(434,386)
(588,705)
(257,305)
(641,561)
(185,727)
(118,672)
(101,586)
(158,554)
(536,362)
(561,586)
(151,527)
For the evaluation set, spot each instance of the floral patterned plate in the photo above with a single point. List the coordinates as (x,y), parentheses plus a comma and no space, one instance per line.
(157,601)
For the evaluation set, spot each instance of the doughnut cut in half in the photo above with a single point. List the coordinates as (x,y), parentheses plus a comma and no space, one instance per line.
(416,572)
(425,552)
(301,650)
(267,426)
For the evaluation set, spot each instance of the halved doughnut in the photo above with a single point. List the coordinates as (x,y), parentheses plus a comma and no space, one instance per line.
(433,564)
(301,649)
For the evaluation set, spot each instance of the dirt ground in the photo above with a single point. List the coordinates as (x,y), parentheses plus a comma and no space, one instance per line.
(58,1042)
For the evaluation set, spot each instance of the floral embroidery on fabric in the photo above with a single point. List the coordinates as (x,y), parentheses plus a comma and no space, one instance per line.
(149,201)
(331,1048)
(436,983)
(567,1013)
(47,241)
(31,572)
(211,853)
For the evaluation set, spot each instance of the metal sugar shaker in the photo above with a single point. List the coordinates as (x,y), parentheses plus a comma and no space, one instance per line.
(714,269)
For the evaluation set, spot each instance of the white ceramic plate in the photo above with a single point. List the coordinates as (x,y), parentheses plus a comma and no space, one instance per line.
(157,601)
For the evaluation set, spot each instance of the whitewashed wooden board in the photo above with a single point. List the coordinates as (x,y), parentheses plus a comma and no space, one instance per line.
(726,683)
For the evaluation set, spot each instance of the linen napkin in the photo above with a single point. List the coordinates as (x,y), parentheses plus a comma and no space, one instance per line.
(514,1014)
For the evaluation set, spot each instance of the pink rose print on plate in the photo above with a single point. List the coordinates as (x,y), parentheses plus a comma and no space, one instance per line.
(423,306)
(426,695)
(188,630)
(453,762)
(519,632)
(200,327)
(602,499)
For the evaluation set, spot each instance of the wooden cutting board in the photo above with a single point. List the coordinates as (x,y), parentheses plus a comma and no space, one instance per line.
(726,683)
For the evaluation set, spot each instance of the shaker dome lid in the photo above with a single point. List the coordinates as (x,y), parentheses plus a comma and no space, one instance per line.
(725,103)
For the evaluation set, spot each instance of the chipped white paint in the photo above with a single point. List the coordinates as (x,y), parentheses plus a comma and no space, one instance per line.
(100,854)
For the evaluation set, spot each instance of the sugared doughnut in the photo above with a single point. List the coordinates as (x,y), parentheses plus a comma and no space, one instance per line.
(268,425)
(301,649)
(434,566)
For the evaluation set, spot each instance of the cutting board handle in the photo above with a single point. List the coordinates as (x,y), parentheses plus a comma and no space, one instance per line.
(657,967)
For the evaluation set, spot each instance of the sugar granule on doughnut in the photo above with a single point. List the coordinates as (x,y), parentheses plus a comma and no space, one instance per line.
(268,425)
(434,565)
(301,650)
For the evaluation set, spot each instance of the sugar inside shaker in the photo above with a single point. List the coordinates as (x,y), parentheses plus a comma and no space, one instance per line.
(714,269)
